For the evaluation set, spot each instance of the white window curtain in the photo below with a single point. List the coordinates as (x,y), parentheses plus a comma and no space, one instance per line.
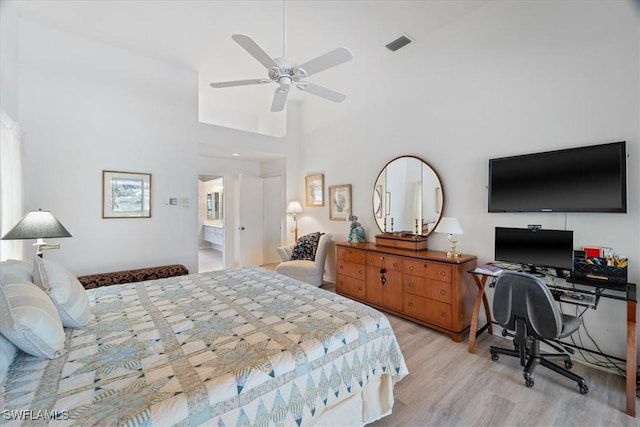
(11,196)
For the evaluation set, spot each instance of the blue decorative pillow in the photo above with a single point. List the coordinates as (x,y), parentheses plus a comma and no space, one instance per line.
(306,247)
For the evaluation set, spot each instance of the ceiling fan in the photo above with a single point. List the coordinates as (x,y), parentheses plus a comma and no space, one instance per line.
(286,72)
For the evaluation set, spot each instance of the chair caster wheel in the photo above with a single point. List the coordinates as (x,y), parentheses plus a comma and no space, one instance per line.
(584,389)
(568,364)
(494,356)
(528,381)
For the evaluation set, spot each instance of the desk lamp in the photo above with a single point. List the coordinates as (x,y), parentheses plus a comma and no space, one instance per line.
(450,226)
(38,225)
(294,208)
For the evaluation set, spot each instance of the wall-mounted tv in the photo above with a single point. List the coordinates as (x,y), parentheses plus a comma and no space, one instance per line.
(535,247)
(583,179)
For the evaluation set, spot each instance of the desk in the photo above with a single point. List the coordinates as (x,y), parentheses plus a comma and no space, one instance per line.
(601,290)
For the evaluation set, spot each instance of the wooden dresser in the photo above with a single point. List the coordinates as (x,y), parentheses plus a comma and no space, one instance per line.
(424,286)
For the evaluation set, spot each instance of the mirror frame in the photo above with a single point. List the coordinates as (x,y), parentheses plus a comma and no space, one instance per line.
(383,208)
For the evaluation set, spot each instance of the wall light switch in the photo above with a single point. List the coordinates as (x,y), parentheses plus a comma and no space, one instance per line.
(173,201)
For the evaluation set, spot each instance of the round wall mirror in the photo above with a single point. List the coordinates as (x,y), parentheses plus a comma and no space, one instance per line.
(408,197)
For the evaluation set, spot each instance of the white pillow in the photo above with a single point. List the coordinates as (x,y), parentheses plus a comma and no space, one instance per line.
(29,319)
(7,353)
(18,268)
(65,290)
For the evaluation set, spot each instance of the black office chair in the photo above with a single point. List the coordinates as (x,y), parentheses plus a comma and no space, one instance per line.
(524,304)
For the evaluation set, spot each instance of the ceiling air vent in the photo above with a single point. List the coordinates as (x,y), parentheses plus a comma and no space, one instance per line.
(400,42)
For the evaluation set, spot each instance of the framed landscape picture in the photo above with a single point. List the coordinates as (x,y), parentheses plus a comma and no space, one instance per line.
(340,202)
(126,194)
(314,190)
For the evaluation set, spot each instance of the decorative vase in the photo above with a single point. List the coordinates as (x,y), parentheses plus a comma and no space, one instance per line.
(356,234)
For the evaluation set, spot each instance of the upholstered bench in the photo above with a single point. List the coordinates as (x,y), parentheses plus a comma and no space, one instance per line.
(128,276)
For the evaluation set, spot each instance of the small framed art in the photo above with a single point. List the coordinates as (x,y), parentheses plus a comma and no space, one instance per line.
(126,194)
(340,202)
(314,190)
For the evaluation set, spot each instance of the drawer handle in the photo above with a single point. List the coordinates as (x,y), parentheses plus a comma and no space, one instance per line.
(443,273)
(359,288)
(410,267)
(443,314)
(443,292)
(395,243)
(410,304)
(411,284)
(341,267)
(395,264)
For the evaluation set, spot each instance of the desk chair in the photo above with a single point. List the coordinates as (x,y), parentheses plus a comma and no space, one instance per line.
(524,304)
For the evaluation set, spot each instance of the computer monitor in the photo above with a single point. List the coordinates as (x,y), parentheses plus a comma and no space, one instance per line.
(534,248)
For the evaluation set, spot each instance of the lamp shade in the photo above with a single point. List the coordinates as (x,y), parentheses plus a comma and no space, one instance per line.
(449,225)
(37,225)
(294,207)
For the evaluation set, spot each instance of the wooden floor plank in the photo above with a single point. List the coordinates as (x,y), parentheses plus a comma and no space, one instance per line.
(447,386)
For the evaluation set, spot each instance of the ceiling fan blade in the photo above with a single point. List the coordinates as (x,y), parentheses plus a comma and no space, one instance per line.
(254,50)
(218,85)
(279,100)
(328,60)
(322,92)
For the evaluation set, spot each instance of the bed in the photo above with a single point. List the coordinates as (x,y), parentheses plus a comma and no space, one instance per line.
(235,347)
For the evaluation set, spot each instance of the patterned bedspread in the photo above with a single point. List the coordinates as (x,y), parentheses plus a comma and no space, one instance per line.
(227,348)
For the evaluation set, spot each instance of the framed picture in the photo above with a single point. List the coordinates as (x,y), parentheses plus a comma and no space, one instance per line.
(340,202)
(126,194)
(314,190)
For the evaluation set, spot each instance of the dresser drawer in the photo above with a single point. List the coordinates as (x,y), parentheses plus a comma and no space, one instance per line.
(350,286)
(351,255)
(422,286)
(435,312)
(431,270)
(351,269)
(389,262)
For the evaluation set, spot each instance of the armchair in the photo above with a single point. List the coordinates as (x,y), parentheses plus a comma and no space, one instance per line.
(524,304)
(304,270)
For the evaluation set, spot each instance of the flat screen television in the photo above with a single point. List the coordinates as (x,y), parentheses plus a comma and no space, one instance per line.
(583,179)
(535,248)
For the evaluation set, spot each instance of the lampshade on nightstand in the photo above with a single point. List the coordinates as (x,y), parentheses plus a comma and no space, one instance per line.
(450,226)
(38,225)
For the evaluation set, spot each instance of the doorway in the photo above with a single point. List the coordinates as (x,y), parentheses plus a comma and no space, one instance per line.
(211,220)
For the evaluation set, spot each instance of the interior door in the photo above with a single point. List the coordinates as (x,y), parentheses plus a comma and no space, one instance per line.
(273,215)
(250,227)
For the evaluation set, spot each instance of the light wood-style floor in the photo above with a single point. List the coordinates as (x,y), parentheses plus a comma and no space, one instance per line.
(448,386)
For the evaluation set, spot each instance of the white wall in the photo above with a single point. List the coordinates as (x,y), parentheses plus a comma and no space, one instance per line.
(508,78)
(9,59)
(86,108)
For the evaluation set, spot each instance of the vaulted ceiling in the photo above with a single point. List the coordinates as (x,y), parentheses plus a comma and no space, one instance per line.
(197,34)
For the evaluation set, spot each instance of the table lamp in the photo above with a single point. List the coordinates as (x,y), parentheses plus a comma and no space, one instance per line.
(294,208)
(38,225)
(450,226)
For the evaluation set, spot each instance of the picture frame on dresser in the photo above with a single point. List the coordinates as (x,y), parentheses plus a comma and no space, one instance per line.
(126,194)
(340,202)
